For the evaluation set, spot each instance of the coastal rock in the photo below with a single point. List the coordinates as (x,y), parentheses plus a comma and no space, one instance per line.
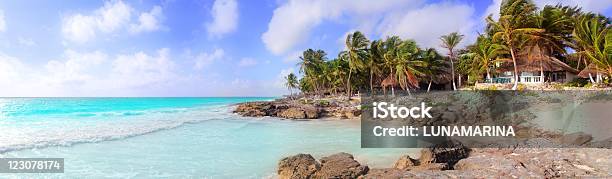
(405,162)
(340,165)
(311,112)
(297,167)
(302,108)
(493,164)
(444,154)
(578,138)
(429,166)
(254,109)
(387,173)
(292,113)
(606,143)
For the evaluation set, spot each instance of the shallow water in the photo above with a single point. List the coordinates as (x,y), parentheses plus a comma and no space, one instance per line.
(168,137)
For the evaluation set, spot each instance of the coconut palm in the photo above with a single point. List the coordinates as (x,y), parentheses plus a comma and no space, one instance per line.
(449,42)
(556,23)
(291,82)
(310,65)
(374,61)
(435,66)
(484,52)
(514,25)
(592,35)
(389,54)
(356,44)
(406,65)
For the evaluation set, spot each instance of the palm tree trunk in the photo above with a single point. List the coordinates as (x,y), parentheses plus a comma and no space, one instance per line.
(371,82)
(452,70)
(516,75)
(348,83)
(429,85)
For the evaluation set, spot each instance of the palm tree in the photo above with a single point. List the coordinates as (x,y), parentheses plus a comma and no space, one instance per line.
(513,26)
(449,42)
(356,44)
(389,55)
(374,61)
(291,82)
(310,65)
(435,65)
(484,51)
(406,64)
(592,35)
(557,24)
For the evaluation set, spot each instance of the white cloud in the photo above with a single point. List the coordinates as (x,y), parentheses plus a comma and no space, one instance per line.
(141,69)
(112,17)
(204,59)
(225,18)
(247,62)
(75,69)
(148,21)
(2,21)
(293,21)
(427,24)
(11,69)
(90,74)
(79,28)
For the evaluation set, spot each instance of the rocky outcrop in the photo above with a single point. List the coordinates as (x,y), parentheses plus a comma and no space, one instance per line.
(297,166)
(340,165)
(405,162)
(578,138)
(480,163)
(299,109)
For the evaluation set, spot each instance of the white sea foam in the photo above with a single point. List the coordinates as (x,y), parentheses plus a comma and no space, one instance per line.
(104,127)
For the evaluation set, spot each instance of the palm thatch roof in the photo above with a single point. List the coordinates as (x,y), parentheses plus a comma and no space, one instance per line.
(535,60)
(591,69)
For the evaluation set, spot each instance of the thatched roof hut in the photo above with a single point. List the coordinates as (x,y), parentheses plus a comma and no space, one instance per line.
(535,60)
(591,69)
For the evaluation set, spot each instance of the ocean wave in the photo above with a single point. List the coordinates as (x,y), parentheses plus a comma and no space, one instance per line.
(71,132)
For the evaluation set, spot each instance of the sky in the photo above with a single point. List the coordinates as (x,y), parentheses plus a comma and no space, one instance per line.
(206,47)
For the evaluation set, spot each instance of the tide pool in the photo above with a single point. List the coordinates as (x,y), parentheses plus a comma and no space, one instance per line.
(168,138)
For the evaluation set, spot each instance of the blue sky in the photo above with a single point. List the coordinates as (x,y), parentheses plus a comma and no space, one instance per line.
(205,47)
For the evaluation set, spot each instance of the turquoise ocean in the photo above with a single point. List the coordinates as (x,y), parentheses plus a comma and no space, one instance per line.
(167,138)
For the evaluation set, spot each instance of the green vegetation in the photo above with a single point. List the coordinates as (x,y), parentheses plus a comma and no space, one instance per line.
(291,82)
(521,33)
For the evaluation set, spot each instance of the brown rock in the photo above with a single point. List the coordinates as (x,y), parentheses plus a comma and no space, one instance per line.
(405,162)
(387,173)
(311,112)
(449,156)
(429,166)
(292,113)
(340,165)
(297,166)
(578,138)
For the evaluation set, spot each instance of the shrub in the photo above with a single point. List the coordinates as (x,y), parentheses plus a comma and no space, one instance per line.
(521,87)
(491,88)
(578,82)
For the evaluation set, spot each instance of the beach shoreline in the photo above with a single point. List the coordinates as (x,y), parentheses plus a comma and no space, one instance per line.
(474,163)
